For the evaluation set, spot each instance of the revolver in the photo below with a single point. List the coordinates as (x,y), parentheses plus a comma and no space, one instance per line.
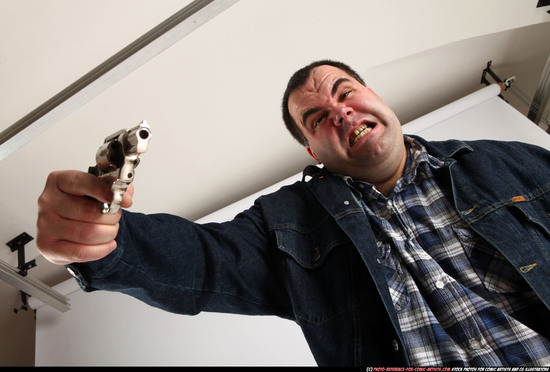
(116,160)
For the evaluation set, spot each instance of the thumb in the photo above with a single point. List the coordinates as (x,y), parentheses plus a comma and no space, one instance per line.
(128,196)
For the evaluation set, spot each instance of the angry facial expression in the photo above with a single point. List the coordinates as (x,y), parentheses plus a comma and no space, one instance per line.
(349,128)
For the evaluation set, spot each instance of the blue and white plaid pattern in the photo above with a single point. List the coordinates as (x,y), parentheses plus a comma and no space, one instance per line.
(457,299)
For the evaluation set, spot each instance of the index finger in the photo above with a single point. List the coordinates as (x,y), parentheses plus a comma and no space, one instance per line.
(83,184)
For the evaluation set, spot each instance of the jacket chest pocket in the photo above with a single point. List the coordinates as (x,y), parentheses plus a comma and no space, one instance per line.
(536,215)
(522,231)
(494,271)
(317,271)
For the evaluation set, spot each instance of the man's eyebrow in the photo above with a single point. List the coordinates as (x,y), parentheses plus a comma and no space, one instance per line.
(308,113)
(337,84)
(333,92)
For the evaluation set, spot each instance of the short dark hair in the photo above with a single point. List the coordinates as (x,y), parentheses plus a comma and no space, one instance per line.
(296,81)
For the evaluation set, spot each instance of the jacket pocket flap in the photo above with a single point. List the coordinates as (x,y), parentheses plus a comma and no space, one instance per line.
(309,249)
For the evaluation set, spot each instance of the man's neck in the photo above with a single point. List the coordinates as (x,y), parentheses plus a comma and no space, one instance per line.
(387,178)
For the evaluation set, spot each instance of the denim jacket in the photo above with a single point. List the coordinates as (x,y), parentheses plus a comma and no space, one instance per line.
(307,252)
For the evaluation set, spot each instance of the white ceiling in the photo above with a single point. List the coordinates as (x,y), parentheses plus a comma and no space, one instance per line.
(212,100)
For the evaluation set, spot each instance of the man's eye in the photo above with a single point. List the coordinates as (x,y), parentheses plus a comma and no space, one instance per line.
(317,122)
(346,94)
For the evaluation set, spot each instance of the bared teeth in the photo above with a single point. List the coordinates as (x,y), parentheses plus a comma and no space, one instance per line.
(360,132)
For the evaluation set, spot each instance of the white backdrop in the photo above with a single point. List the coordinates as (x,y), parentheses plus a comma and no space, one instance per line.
(105,328)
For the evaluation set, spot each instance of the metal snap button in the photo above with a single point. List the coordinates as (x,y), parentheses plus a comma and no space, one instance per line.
(316,254)
(395,345)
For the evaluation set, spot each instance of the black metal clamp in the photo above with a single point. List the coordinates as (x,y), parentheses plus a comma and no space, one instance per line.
(504,85)
(18,244)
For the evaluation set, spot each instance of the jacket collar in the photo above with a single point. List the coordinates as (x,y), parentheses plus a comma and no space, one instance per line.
(443,150)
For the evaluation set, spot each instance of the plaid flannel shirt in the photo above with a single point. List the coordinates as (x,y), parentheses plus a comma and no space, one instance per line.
(458,300)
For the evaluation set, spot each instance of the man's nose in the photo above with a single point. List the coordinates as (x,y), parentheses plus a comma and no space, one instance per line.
(342,115)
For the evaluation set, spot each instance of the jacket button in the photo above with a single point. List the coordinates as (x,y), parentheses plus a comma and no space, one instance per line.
(395,345)
(316,254)
(346,202)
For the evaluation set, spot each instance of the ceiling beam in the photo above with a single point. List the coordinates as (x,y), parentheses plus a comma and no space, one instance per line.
(109,72)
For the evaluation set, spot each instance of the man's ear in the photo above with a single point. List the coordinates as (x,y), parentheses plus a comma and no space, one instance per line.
(312,154)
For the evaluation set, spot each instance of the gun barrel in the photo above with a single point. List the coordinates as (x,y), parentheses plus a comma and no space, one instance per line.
(136,139)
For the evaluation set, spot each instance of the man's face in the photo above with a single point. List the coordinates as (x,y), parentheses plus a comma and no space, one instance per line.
(348,127)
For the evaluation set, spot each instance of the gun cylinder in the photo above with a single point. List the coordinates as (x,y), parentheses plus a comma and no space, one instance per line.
(116,160)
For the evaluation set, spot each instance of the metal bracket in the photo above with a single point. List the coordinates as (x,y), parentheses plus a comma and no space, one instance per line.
(504,85)
(18,244)
(24,304)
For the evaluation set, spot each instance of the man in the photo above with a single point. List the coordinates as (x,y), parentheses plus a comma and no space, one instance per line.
(363,139)
(398,252)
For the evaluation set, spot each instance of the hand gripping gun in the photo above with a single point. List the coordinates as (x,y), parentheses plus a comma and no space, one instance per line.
(116,160)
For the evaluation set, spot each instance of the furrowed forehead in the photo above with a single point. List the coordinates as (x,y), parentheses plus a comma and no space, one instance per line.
(323,81)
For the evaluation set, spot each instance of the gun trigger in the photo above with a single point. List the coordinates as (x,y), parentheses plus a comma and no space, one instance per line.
(94,170)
